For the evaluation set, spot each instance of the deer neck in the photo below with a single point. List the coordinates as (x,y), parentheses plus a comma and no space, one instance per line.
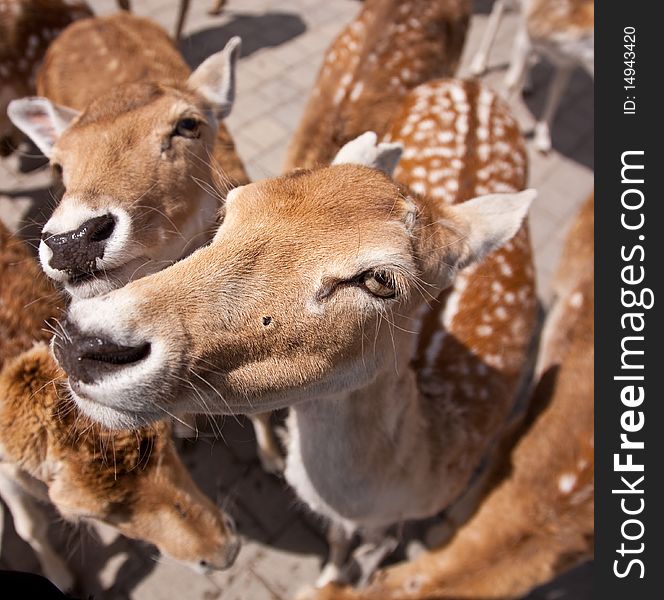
(345,449)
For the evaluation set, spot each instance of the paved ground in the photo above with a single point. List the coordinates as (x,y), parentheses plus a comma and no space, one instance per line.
(283,44)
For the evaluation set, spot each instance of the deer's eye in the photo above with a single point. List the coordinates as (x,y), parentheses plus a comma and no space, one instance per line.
(379,283)
(188,127)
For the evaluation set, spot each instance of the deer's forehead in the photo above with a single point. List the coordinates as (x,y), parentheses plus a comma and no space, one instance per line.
(127,130)
(344,196)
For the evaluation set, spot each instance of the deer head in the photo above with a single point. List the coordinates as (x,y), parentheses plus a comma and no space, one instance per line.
(131,480)
(131,163)
(280,307)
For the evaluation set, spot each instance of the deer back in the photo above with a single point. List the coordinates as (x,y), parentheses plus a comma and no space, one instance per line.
(390,48)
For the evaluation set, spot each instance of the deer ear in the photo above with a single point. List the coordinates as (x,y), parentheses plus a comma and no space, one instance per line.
(364,150)
(41,120)
(488,222)
(215,78)
(467,232)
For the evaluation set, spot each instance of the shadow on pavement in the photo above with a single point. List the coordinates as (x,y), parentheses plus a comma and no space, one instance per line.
(257,31)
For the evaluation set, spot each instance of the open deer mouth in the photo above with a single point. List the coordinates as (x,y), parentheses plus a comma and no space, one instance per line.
(89,359)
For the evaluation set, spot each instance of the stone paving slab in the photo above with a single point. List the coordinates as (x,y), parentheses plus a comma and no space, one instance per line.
(283,45)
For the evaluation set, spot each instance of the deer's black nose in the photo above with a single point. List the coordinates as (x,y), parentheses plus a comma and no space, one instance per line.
(77,251)
(88,358)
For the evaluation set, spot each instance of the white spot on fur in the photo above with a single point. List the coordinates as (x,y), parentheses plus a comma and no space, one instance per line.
(566,483)
(357,91)
(576,300)
(426,124)
(501,313)
(445,137)
(452,306)
(462,125)
(418,187)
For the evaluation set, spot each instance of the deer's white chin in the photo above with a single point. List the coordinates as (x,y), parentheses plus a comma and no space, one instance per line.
(113,418)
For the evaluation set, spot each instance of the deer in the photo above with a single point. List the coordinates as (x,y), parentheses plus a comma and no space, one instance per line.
(561,31)
(314,295)
(143,155)
(537,521)
(391,47)
(50,452)
(27,27)
(141,151)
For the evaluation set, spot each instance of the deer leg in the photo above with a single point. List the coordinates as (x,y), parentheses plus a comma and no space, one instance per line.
(182,15)
(518,63)
(216,7)
(555,93)
(339,541)
(269,450)
(481,59)
(31,525)
(369,555)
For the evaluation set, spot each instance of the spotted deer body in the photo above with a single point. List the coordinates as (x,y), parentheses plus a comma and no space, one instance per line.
(390,48)
(27,27)
(140,149)
(49,452)
(560,30)
(537,521)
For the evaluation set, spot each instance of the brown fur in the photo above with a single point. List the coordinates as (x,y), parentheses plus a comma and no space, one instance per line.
(27,27)
(27,298)
(132,480)
(551,18)
(529,528)
(390,48)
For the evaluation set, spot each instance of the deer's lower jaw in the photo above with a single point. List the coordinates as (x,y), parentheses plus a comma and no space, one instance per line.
(120,402)
(112,418)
